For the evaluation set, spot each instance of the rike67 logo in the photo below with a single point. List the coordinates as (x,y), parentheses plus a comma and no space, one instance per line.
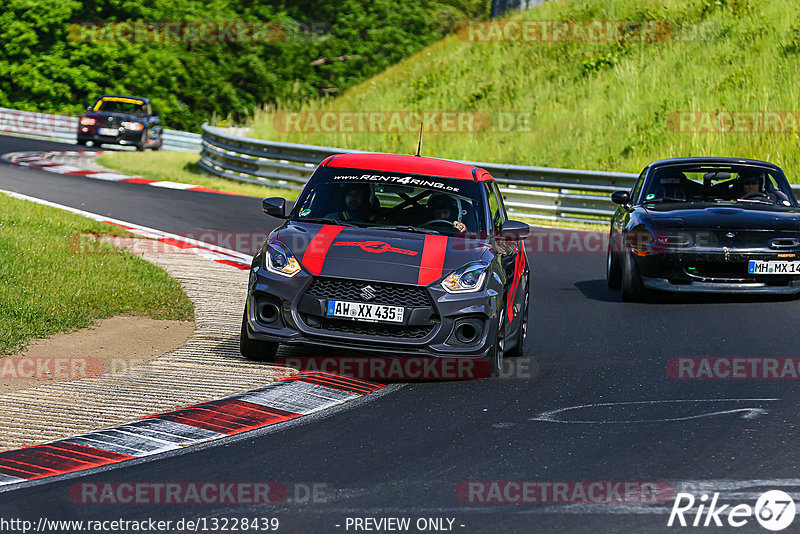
(774,510)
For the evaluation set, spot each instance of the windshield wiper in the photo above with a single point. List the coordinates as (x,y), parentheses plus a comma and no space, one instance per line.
(325,220)
(406,228)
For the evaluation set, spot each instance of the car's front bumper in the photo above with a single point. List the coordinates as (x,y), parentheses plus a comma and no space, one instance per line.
(715,271)
(126,138)
(298,312)
(663,284)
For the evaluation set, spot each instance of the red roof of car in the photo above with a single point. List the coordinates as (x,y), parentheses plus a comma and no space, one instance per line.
(410,164)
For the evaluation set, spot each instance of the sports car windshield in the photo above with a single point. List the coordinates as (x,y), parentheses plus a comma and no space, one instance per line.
(415,203)
(740,184)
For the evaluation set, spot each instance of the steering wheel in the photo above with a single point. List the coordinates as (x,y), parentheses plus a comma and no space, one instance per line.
(437,222)
(756,194)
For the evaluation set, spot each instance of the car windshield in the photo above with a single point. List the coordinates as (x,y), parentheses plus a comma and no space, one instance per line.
(399,201)
(718,184)
(121,105)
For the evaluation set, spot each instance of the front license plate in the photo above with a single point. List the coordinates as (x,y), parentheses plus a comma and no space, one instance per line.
(113,132)
(773,267)
(365,312)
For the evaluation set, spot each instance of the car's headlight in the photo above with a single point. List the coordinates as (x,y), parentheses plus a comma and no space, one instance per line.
(467,279)
(280,260)
(135,126)
(87,121)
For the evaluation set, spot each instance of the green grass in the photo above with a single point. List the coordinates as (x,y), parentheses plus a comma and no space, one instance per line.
(182,167)
(48,286)
(602,105)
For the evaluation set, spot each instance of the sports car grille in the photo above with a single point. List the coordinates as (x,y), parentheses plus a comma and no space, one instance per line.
(376,329)
(390,294)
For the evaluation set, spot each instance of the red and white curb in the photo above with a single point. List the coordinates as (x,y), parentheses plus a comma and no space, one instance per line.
(43,161)
(222,255)
(301,394)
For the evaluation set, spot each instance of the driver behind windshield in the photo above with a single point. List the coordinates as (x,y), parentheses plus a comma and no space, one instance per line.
(444,208)
(749,182)
(357,202)
(751,186)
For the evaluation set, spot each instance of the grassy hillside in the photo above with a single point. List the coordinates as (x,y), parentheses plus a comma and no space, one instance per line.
(596,105)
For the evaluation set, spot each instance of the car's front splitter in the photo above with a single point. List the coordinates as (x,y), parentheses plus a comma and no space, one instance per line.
(663,284)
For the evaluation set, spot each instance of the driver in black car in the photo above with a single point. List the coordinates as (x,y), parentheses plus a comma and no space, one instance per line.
(751,186)
(751,183)
(444,208)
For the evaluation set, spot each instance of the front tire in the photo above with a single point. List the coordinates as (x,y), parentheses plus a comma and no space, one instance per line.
(142,144)
(255,349)
(632,288)
(613,269)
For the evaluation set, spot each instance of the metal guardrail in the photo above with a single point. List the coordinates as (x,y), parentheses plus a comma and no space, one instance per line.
(64,128)
(533,192)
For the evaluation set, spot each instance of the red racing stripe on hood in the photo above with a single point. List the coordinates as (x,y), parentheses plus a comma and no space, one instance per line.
(317,249)
(432,263)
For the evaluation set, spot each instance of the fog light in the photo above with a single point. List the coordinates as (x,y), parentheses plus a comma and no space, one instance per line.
(267,312)
(466,333)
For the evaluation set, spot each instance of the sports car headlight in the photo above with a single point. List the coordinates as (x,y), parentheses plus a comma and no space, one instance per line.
(467,279)
(135,126)
(87,121)
(280,260)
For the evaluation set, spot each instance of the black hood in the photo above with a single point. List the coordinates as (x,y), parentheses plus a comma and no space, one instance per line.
(741,216)
(378,255)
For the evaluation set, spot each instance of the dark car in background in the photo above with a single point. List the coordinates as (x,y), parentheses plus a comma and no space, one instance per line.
(395,255)
(121,120)
(706,224)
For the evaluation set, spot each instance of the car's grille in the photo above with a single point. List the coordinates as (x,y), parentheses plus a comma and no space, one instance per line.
(397,331)
(389,294)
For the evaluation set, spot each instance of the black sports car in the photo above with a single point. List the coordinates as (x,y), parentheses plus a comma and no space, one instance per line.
(707,225)
(397,255)
(121,120)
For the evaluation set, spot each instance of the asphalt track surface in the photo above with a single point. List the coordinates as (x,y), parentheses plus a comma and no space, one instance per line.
(404,452)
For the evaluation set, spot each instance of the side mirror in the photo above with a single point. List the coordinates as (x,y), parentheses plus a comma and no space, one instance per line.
(515,230)
(620,197)
(274,207)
